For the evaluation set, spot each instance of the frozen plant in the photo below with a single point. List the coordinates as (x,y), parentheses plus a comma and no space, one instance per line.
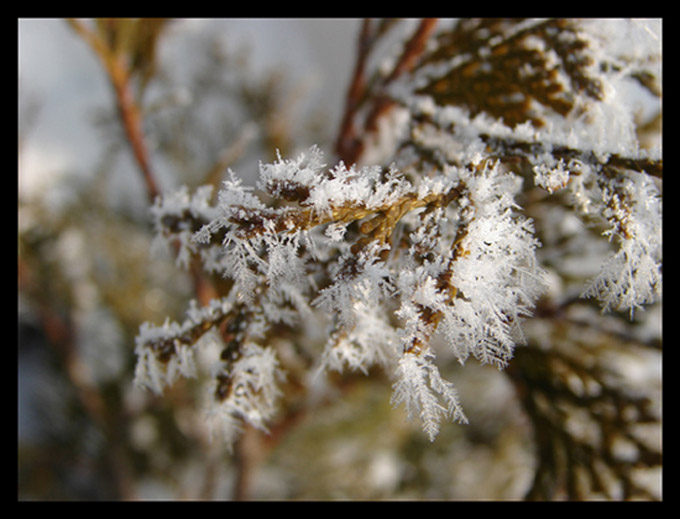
(415,235)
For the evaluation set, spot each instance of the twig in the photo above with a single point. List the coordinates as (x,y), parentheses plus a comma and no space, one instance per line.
(119,76)
(346,146)
(350,143)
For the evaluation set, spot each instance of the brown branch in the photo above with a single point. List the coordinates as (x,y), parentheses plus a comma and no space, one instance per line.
(132,123)
(119,75)
(119,72)
(508,149)
(503,147)
(350,144)
(347,141)
(414,48)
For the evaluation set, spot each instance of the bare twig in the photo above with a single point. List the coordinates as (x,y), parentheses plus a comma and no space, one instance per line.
(118,72)
(346,146)
(349,145)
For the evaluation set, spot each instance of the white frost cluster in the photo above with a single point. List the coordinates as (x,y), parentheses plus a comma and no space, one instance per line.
(371,341)
(497,282)
(348,295)
(498,279)
(154,374)
(390,261)
(418,384)
(551,174)
(631,277)
(178,205)
(478,281)
(335,187)
(255,379)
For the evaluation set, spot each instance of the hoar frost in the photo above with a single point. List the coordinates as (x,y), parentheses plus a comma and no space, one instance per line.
(470,265)
(386,258)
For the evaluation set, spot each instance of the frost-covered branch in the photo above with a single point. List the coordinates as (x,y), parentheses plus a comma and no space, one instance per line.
(422,241)
(269,252)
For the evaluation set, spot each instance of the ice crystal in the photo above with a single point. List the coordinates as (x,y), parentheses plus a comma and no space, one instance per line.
(431,240)
(631,277)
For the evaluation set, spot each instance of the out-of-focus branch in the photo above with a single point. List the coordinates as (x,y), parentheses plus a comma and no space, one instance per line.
(60,333)
(347,140)
(120,64)
(414,48)
(350,144)
(118,70)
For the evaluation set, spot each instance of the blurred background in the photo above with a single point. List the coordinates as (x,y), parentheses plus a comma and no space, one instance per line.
(212,94)
(225,93)
(63,91)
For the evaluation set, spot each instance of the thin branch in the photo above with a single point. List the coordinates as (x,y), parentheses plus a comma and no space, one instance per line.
(347,141)
(350,147)
(119,76)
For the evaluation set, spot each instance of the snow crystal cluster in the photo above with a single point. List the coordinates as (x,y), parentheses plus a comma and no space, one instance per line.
(468,273)
(631,277)
(434,245)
